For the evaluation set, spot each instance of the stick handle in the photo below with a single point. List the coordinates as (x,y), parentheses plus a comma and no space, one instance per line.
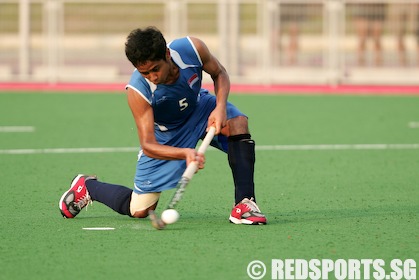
(207,140)
(193,166)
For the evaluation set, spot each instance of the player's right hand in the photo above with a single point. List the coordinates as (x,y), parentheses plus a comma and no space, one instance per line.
(218,119)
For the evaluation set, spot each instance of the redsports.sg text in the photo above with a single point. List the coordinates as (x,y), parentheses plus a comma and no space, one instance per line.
(350,269)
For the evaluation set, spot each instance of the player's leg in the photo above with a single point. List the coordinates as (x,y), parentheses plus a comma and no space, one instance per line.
(84,189)
(236,140)
(241,158)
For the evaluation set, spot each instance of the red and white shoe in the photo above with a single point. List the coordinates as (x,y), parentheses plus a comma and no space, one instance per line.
(77,197)
(248,213)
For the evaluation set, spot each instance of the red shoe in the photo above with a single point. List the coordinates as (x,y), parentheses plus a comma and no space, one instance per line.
(77,197)
(248,213)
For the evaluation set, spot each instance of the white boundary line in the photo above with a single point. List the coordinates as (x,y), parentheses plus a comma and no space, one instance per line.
(339,147)
(9,129)
(98,228)
(320,147)
(69,150)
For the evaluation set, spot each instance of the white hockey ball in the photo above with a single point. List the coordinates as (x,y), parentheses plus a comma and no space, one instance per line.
(169,216)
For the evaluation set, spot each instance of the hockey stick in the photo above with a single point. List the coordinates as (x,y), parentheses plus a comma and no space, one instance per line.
(183,182)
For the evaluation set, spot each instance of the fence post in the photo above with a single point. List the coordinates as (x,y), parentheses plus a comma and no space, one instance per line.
(266,18)
(173,19)
(223,33)
(333,26)
(52,38)
(234,38)
(24,33)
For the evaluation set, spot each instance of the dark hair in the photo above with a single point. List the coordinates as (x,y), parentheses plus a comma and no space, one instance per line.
(144,45)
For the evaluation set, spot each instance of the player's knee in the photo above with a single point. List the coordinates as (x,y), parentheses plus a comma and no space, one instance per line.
(238,125)
(141,213)
(240,120)
(142,203)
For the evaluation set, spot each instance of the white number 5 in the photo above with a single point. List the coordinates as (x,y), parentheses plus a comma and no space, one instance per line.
(183,104)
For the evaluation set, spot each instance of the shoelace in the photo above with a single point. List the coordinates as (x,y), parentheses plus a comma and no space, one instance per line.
(84,201)
(252,205)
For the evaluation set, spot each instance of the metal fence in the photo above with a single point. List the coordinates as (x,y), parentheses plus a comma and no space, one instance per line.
(259,41)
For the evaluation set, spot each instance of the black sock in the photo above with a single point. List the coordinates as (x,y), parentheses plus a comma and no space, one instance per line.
(241,157)
(114,196)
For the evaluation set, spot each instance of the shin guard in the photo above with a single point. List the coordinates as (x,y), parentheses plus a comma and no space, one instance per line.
(241,158)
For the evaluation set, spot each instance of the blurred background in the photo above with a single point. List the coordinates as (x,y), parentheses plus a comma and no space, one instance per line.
(258,41)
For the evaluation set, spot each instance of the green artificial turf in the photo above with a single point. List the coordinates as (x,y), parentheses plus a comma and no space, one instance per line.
(320,204)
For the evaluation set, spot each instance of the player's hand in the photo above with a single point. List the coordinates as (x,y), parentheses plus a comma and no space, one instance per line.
(218,119)
(192,155)
(200,159)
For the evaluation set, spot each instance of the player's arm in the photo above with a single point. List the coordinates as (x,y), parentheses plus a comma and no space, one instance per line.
(144,120)
(219,75)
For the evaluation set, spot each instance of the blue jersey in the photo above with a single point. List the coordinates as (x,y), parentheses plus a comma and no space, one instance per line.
(173,104)
(181,112)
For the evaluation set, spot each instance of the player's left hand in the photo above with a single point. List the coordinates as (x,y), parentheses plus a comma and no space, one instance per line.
(193,155)
(200,159)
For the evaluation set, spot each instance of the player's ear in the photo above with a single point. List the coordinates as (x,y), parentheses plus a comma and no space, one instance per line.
(167,54)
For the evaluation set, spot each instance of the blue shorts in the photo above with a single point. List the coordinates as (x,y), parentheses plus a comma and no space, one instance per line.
(156,175)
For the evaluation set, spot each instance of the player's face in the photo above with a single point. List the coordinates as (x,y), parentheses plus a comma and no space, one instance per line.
(155,71)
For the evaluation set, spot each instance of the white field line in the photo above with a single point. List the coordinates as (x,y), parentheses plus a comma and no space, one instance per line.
(259,148)
(69,150)
(10,129)
(339,147)
(98,228)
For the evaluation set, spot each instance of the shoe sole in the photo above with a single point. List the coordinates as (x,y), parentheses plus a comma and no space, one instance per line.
(76,178)
(60,205)
(244,221)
